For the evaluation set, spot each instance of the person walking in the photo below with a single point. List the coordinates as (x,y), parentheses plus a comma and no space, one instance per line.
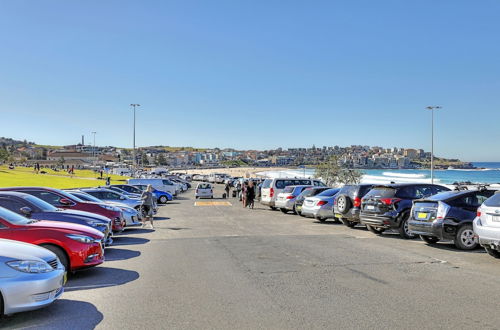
(147,205)
(238,189)
(250,195)
(227,188)
(244,194)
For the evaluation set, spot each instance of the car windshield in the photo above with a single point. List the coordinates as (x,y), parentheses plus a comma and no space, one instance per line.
(87,197)
(13,218)
(329,192)
(381,192)
(41,204)
(69,196)
(493,201)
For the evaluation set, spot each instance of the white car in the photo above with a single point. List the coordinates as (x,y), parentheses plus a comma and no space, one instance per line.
(272,187)
(286,199)
(204,190)
(159,184)
(320,206)
(487,225)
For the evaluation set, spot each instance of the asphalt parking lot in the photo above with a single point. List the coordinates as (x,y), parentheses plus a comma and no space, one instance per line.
(225,267)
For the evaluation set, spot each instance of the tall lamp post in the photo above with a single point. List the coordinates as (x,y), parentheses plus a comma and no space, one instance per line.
(134,105)
(432,108)
(93,148)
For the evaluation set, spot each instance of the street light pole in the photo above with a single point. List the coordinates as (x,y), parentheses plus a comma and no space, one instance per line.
(93,148)
(432,108)
(134,105)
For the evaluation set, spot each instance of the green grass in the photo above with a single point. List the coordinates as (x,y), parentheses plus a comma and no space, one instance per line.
(22,176)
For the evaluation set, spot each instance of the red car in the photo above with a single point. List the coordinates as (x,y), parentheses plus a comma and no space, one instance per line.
(76,246)
(63,200)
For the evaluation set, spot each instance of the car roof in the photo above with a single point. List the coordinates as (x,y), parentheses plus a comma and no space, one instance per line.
(13,193)
(401,185)
(450,195)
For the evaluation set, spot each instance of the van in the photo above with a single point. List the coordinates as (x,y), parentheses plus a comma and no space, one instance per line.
(159,184)
(272,187)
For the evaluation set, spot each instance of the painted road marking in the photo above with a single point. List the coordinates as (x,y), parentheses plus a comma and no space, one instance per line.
(212,204)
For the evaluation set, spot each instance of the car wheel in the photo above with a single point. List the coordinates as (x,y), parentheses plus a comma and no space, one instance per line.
(343,204)
(491,252)
(284,210)
(349,223)
(465,239)
(163,199)
(63,258)
(429,239)
(272,208)
(375,230)
(404,231)
(322,220)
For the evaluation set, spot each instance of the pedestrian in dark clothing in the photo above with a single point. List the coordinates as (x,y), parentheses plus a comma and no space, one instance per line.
(108,181)
(250,195)
(227,188)
(244,194)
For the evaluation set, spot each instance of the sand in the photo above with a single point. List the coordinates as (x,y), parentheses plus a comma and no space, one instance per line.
(246,172)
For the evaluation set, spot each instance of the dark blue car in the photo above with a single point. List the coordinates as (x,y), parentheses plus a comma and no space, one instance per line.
(34,208)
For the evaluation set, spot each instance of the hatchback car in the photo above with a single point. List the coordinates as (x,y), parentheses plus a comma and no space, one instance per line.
(388,206)
(286,199)
(487,225)
(204,190)
(31,277)
(308,192)
(347,203)
(448,216)
(320,206)
(76,246)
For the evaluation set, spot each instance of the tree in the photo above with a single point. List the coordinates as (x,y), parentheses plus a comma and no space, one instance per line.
(145,160)
(334,174)
(4,155)
(61,162)
(161,159)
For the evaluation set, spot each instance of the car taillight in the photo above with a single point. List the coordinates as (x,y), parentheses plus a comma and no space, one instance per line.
(320,203)
(389,201)
(478,213)
(271,192)
(357,202)
(290,197)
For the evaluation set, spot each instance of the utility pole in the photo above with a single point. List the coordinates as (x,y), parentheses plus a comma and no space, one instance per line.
(134,105)
(432,108)
(93,149)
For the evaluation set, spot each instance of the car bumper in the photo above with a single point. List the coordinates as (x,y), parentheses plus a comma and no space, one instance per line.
(285,204)
(309,211)
(378,221)
(86,255)
(132,220)
(268,203)
(488,236)
(424,228)
(31,291)
(351,215)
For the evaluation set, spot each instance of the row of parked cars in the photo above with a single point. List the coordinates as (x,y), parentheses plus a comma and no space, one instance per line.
(468,216)
(46,233)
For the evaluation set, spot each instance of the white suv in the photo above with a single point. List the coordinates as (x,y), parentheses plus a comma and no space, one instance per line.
(272,187)
(204,190)
(487,225)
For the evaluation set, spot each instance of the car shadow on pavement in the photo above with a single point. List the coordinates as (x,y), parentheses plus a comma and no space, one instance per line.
(128,240)
(100,277)
(62,314)
(161,218)
(449,246)
(114,254)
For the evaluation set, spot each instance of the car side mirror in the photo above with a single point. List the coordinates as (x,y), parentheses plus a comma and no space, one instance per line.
(26,211)
(65,201)
(122,197)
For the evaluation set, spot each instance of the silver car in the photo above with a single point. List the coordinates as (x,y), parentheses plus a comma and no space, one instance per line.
(113,196)
(31,277)
(285,200)
(320,206)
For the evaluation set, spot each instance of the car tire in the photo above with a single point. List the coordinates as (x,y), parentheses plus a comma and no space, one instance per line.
(284,210)
(322,220)
(163,199)
(344,204)
(272,208)
(294,211)
(63,258)
(403,227)
(375,230)
(348,223)
(429,239)
(464,239)
(491,252)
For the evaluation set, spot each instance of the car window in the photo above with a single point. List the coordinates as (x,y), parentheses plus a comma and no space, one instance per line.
(493,201)
(469,201)
(280,184)
(267,183)
(484,195)
(439,189)
(423,191)
(406,192)
(381,192)
(359,192)
(12,205)
(110,195)
(47,196)
(288,189)
(329,192)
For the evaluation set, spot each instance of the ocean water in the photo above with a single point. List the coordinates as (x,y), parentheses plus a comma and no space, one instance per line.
(489,173)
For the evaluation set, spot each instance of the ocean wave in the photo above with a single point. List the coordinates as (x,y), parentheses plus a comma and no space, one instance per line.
(403,175)
(388,179)
(473,169)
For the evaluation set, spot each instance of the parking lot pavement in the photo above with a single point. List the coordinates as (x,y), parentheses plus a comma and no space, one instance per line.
(220,266)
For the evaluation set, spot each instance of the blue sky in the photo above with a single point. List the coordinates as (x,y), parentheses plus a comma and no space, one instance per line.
(253,74)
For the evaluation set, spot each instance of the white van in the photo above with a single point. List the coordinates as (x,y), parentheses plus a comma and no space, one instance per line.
(272,187)
(159,184)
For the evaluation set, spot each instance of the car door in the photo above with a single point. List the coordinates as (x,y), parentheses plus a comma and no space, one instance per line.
(12,205)
(48,196)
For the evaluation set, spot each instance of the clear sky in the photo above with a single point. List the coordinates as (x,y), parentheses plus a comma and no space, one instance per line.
(253,74)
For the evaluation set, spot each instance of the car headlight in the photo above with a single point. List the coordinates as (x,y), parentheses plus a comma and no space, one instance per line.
(81,238)
(30,266)
(109,208)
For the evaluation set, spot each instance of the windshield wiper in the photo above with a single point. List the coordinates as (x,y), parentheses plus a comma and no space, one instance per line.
(32,221)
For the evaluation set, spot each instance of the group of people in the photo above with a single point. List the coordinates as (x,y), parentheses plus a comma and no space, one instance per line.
(246,192)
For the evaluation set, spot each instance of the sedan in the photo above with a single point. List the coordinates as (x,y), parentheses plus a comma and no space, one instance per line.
(31,277)
(76,246)
(320,206)
(285,200)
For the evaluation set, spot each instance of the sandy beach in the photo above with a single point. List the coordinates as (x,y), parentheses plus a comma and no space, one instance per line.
(246,172)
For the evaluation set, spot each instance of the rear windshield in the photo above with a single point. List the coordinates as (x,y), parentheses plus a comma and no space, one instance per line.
(493,201)
(267,183)
(289,189)
(381,192)
(204,186)
(329,192)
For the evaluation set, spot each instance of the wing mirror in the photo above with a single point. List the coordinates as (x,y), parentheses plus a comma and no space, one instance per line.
(122,198)
(26,211)
(65,201)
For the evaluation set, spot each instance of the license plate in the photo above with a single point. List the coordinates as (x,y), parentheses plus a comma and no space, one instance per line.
(338,216)
(495,218)
(422,215)
(370,207)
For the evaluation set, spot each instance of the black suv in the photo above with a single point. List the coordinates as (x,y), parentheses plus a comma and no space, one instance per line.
(347,204)
(448,216)
(308,192)
(388,206)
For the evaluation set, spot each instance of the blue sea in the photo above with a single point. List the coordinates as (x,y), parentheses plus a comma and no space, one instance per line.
(489,172)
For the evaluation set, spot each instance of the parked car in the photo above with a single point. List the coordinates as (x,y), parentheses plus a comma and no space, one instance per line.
(388,206)
(123,192)
(76,246)
(161,196)
(448,216)
(35,208)
(487,225)
(308,192)
(272,187)
(320,206)
(160,184)
(204,190)
(132,216)
(347,203)
(64,200)
(286,199)
(31,277)
(113,196)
